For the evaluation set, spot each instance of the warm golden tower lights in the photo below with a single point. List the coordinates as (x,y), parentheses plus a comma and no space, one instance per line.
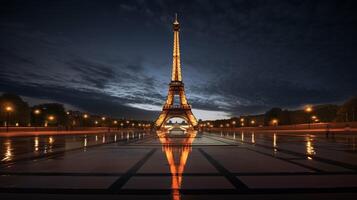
(176,88)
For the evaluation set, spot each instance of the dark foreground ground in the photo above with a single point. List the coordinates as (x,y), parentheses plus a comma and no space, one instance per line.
(241,165)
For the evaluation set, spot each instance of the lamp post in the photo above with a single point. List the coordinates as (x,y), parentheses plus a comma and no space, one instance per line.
(8,110)
(115,122)
(313,118)
(275,122)
(103,121)
(308,110)
(233,124)
(37,112)
(50,118)
(85,117)
(127,123)
(242,122)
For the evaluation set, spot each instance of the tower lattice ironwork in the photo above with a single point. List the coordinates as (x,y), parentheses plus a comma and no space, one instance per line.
(176,107)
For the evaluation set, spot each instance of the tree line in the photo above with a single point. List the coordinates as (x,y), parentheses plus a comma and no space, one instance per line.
(347,112)
(16,112)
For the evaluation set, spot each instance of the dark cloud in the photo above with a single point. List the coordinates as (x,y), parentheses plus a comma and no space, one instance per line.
(93,102)
(93,73)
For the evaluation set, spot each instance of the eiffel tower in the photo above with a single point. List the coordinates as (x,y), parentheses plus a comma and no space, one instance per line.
(176,104)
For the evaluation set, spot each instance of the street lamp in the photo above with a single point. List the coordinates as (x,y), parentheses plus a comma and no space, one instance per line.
(51,118)
(85,116)
(308,109)
(8,110)
(103,123)
(37,112)
(241,121)
(234,124)
(252,122)
(275,122)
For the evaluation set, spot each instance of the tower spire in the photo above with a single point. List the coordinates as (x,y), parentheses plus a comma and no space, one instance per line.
(176,63)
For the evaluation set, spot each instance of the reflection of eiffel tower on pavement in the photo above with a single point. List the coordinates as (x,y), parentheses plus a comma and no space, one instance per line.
(176,107)
(177,151)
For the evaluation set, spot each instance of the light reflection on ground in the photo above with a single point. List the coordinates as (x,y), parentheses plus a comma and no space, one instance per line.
(220,163)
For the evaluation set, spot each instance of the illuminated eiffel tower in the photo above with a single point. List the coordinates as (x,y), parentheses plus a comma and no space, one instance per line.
(176,104)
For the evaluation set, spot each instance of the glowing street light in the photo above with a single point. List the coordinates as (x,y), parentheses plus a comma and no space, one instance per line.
(51,117)
(314,118)
(85,116)
(252,122)
(275,122)
(308,109)
(8,110)
(37,112)
(115,122)
(242,120)
(103,118)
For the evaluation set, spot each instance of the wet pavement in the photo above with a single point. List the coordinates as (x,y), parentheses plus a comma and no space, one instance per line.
(143,165)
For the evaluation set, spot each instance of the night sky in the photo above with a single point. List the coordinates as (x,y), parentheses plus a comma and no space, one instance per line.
(238,57)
